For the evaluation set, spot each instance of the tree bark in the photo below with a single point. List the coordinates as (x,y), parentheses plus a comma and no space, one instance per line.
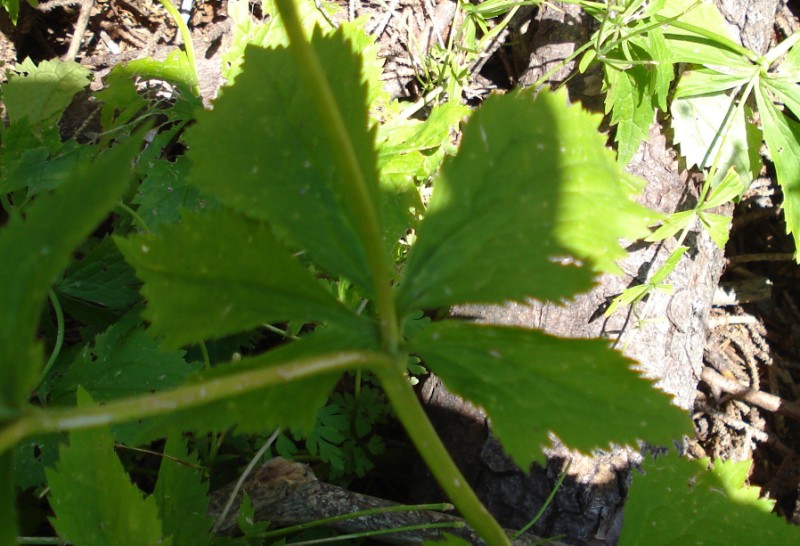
(666,335)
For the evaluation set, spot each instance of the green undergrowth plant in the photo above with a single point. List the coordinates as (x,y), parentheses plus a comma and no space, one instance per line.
(297,194)
(727,101)
(450,64)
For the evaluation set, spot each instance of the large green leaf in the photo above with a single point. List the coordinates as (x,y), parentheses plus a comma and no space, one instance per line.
(37,248)
(42,93)
(675,501)
(93,499)
(221,273)
(782,136)
(102,276)
(262,151)
(182,495)
(532,183)
(531,383)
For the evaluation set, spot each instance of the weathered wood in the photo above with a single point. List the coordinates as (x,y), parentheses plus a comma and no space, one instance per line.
(287,493)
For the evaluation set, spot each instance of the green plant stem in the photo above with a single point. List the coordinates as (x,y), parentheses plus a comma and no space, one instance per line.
(248,469)
(59,333)
(354,182)
(40,540)
(186,36)
(779,50)
(441,507)
(135,215)
(547,502)
(430,447)
(365,534)
(571,57)
(38,421)
(206,356)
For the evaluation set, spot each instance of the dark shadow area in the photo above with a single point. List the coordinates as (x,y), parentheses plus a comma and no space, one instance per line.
(587,508)
(755,339)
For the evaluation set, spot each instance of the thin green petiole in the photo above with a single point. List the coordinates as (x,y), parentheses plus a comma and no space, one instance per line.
(441,507)
(186,36)
(366,534)
(59,333)
(547,502)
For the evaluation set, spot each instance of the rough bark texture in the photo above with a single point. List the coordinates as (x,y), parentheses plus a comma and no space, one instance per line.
(287,493)
(666,336)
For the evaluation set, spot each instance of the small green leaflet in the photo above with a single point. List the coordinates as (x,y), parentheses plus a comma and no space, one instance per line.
(270,163)
(662,72)
(122,361)
(531,383)
(532,183)
(675,501)
(220,273)
(631,106)
(43,166)
(182,495)
(637,293)
(327,435)
(706,81)
(102,276)
(93,499)
(40,247)
(638,70)
(246,519)
(782,136)
(31,456)
(44,92)
(175,68)
(409,151)
(165,192)
(786,92)
(12,8)
(718,225)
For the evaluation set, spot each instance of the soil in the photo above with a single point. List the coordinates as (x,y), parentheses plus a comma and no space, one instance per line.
(749,330)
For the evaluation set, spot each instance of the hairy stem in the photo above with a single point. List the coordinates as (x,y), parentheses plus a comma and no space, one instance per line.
(37,421)
(186,36)
(354,181)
